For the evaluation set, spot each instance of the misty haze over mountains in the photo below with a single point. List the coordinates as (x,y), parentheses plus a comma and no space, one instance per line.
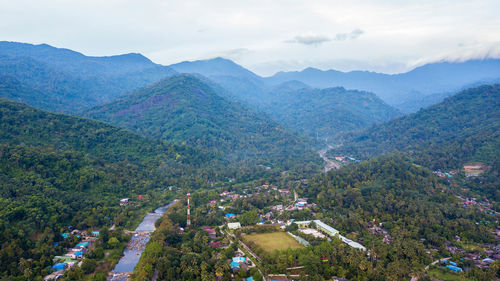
(108,77)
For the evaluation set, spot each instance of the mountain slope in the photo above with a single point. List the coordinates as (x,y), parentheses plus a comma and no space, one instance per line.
(75,80)
(464,127)
(327,112)
(182,108)
(433,78)
(312,112)
(58,171)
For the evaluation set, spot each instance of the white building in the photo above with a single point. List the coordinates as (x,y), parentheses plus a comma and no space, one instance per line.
(233,225)
(321,226)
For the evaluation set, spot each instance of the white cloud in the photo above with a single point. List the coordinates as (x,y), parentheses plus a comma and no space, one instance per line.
(388,33)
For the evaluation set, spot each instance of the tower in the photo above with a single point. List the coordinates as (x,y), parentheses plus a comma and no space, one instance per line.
(188,222)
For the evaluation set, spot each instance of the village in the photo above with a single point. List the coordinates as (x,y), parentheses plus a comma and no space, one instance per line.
(74,255)
(461,260)
(276,227)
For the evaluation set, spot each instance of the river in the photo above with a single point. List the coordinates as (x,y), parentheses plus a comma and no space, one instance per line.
(137,244)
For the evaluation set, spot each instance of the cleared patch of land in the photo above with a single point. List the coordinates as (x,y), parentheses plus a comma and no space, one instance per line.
(273,241)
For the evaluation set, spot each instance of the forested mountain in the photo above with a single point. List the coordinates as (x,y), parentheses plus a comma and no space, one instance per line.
(183,108)
(13,89)
(464,127)
(241,83)
(76,81)
(325,112)
(309,111)
(398,89)
(58,171)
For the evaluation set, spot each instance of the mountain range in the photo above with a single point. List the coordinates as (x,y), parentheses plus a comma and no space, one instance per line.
(72,80)
(464,127)
(406,91)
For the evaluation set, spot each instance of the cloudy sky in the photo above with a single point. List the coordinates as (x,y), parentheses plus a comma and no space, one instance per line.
(264,35)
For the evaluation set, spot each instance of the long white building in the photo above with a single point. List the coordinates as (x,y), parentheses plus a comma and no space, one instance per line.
(323,227)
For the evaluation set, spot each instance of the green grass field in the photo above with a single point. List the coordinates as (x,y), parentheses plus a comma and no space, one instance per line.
(273,241)
(445,274)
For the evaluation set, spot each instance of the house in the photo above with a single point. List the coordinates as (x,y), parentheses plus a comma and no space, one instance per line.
(211,232)
(453,268)
(214,244)
(249,278)
(65,235)
(230,216)
(234,225)
(83,244)
(277,207)
(59,266)
(239,259)
(124,202)
(95,233)
(76,255)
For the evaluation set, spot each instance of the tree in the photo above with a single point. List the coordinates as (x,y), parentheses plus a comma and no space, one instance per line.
(88,265)
(113,242)
(249,218)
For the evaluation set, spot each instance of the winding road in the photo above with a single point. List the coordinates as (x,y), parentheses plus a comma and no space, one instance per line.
(330,164)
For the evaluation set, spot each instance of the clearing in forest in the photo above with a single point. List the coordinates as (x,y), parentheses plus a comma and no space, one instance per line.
(273,241)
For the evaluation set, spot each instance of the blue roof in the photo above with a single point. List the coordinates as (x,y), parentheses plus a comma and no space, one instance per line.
(234,264)
(95,232)
(83,244)
(454,268)
(230,215)
(250,278)
(65,235)
(59,266)
(452,263)
(488,260)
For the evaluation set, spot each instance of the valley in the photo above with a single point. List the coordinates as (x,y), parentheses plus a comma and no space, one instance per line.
(307,175)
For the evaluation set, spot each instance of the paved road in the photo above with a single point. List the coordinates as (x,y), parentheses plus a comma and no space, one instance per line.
(329,163)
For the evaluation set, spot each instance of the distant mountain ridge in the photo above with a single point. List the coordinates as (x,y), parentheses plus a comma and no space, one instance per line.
(395,89)
(76,81)
(408,91)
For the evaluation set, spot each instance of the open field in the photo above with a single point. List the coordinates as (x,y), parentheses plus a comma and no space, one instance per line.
(273,241)
(446,275)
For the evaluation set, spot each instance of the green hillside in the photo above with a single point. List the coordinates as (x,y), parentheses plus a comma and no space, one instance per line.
(183,109)
(325,112)
(417,210)
(464,127)
(58,171)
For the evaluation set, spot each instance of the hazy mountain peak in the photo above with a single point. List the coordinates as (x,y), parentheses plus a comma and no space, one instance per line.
(214,67)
